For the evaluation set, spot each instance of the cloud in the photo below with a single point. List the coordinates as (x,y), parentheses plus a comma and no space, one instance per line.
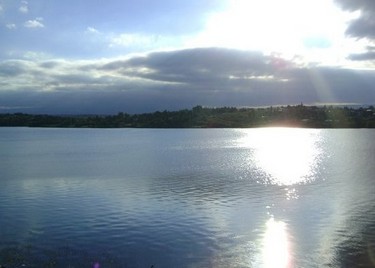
(36,23)
(201,66)
(1,8)
(364,25)
(126,40)
(12,68)
(367,56)
(175,80)
(141,42)
(24,7)
(92,30)
(11,26)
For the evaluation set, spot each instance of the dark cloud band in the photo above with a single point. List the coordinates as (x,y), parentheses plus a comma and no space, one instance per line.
(175,80)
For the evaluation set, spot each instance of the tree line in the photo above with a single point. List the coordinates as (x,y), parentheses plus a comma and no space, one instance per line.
(204,117)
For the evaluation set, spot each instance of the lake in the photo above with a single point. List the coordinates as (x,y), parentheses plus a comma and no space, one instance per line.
(268,197)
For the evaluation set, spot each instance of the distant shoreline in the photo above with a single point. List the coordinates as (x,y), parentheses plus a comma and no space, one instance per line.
(201,117)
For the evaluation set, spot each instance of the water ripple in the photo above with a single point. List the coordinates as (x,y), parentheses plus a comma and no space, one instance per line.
(200,198)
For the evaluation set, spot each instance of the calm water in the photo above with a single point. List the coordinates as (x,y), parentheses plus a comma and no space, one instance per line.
(187,198)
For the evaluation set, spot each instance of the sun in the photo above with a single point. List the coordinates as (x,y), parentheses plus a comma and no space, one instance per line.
(314,29)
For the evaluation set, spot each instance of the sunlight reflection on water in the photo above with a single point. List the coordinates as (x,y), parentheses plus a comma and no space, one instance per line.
(288,156)
(275,252)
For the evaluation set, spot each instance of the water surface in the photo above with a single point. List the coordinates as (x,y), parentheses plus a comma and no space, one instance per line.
(273,197)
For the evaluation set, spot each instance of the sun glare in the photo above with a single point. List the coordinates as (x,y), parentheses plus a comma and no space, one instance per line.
(288,156)
(275,251)
(289,27)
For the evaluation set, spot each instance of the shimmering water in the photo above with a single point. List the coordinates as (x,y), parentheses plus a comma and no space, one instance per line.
(187,198)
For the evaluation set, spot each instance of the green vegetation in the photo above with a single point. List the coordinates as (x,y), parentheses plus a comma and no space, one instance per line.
(200,117)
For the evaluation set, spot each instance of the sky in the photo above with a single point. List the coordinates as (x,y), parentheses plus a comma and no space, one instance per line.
(135,56)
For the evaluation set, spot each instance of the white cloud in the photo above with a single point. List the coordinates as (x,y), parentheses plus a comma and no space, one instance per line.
(1,8)
(34,23)
(141,42)
(11,26)
(24,7)
(129,40)
(92,30)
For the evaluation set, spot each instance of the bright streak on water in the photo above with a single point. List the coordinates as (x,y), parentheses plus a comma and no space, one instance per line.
(275,251)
